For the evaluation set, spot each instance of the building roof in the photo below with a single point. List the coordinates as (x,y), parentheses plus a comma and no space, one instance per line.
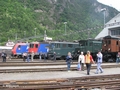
(111,37)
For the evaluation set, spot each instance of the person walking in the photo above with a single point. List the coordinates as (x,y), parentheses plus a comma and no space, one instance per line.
(118,58)
(4,55)
(88,60)
(99,62)
(32,56)
(45,56)
(54,58)
(40,56)
(82,60)
(24,57)
(28,57)
(68,61)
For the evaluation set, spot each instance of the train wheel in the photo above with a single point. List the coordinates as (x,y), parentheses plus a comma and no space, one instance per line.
(50,58)
(61,58)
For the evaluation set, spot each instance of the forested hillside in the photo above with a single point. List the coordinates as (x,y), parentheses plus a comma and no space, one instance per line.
(25,18)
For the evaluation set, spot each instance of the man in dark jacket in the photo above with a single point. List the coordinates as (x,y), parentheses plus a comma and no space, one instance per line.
(4,55)
(54,58)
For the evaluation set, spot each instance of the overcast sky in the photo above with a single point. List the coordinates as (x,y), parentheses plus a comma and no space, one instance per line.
(112,3)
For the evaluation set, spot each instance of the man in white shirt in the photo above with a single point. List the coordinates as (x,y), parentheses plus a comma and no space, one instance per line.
(82,60)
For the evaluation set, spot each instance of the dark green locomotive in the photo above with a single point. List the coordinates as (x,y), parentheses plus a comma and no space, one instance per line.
(91,44)
(61,49)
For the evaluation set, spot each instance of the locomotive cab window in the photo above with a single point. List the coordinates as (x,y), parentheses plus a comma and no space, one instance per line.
(109,42)
(90,43)
(52,45)
(70,45)
(31,45)
(57,45)
(19,46)
(96,44)
(116,42)
(64,45)
(82,43)
(36,45)
(103,42)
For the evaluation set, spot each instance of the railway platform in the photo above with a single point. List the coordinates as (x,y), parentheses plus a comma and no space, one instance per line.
(54,75)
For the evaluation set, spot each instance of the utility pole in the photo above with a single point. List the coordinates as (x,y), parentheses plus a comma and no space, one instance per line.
(24,34)
(16,36)
(104,12)
(35,31)
(45,36)
(65,27)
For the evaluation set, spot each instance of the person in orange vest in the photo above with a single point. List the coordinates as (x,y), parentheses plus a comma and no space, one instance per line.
(88,61)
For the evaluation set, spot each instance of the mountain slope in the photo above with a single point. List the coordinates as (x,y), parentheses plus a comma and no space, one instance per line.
(20,18)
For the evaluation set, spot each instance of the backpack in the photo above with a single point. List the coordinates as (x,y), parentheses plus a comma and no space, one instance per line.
(5,55)
(2,54)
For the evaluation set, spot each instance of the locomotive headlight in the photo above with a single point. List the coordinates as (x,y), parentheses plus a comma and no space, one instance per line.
(104,45)
(108,49)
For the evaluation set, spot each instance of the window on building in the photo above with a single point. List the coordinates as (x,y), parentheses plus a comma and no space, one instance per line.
(115,32)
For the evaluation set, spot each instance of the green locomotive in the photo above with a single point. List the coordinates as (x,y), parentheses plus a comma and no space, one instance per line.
(91,44)
(61,49)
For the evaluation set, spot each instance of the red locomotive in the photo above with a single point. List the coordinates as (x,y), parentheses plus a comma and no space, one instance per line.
(110,47)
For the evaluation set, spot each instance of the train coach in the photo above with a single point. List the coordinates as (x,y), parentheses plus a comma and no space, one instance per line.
(61,49)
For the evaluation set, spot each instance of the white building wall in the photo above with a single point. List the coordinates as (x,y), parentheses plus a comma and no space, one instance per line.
(113,23)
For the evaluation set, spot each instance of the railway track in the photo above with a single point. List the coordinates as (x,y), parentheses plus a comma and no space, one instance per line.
(101,82)
(46,67)
(42,63)
(20,62)
(38,63)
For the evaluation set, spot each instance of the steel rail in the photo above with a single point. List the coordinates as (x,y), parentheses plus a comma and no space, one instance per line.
(41,63)
(14,70)
(105,82)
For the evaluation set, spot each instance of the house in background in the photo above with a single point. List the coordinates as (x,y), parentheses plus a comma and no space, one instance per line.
(112,28)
